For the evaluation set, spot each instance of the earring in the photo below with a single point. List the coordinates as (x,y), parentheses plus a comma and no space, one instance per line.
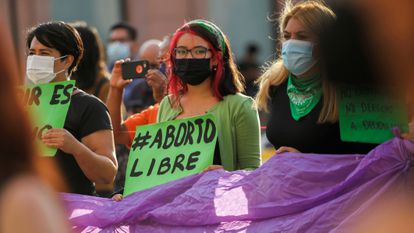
(214,68)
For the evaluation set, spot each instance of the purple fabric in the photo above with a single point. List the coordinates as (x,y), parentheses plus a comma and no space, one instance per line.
(292,192)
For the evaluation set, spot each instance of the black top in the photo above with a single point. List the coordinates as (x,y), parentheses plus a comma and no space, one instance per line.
(306,135)
(86,115)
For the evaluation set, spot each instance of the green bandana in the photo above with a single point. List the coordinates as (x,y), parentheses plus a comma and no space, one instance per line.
(212,28)
(304,94)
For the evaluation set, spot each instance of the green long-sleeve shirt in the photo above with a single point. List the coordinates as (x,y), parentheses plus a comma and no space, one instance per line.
(238,126)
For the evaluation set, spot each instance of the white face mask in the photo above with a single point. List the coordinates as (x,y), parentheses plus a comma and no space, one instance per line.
(40,69)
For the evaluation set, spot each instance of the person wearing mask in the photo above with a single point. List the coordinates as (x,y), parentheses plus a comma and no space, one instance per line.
(92,74)
(122,43)
(27,204)
(124,131)
(138,95)
(302,102)
(204,79)
(85,144)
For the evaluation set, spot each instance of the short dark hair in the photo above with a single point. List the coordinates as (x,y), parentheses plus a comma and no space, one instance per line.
(60,36)
(132,32)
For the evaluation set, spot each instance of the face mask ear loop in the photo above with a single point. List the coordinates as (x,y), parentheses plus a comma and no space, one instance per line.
(63,70)
(61,57)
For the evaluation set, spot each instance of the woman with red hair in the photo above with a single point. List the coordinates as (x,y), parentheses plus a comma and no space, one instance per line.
(204,79)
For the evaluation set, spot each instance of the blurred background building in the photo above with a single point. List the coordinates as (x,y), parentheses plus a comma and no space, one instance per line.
(244,21)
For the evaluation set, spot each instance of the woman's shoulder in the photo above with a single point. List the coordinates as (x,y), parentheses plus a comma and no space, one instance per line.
(238,99)
(236,102)
(167,110)
(83,98)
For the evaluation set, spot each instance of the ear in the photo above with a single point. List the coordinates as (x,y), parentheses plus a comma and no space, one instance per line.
(68,61)
(214,60)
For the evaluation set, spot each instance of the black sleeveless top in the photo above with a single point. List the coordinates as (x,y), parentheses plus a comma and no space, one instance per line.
(306,135)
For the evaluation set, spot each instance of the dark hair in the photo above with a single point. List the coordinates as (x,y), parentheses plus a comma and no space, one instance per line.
(226,79)
(132,32)
(17,153)
(93,63)
(60,36)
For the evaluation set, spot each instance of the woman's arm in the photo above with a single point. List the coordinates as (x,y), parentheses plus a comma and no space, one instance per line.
(113,103)
(247,136)
(95,154)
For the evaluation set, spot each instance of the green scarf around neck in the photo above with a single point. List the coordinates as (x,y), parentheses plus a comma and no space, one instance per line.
(304,94)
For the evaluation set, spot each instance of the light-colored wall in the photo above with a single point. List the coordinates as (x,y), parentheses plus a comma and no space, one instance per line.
(157,18)
(98,13)
(244,21)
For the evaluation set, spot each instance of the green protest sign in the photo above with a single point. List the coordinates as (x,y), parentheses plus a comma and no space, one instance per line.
(365,115)
(170,150)
(48,106)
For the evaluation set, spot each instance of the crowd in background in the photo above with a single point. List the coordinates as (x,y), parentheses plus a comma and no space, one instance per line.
(192,72)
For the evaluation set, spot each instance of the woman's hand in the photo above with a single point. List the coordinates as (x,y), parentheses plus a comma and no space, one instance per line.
(213,167)
(117,197)
(286,149)
(158,82)
(116,76)
(61,139)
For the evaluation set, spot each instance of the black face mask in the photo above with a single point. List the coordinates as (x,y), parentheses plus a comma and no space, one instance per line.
(192,71)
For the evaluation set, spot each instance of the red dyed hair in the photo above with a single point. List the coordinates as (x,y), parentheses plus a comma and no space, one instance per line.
(176,86)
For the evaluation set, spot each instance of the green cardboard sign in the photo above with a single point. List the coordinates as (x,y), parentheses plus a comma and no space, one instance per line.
(48,106)
(365,115)
(170,150)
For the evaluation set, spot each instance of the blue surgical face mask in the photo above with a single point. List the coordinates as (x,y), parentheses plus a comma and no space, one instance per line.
(297,56)
(117,50)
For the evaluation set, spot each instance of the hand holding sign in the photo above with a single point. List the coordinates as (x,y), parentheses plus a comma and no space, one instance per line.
(48,105)
(60,139)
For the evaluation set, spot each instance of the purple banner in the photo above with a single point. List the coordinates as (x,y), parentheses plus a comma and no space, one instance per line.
(292,192)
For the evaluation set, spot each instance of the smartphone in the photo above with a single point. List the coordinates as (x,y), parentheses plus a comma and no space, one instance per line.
(134,69)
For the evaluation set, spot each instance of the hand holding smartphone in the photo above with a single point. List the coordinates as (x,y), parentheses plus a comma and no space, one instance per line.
(134,69)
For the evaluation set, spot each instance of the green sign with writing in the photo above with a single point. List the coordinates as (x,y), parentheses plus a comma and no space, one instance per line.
(170,150)
(48,106)
(365,115)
